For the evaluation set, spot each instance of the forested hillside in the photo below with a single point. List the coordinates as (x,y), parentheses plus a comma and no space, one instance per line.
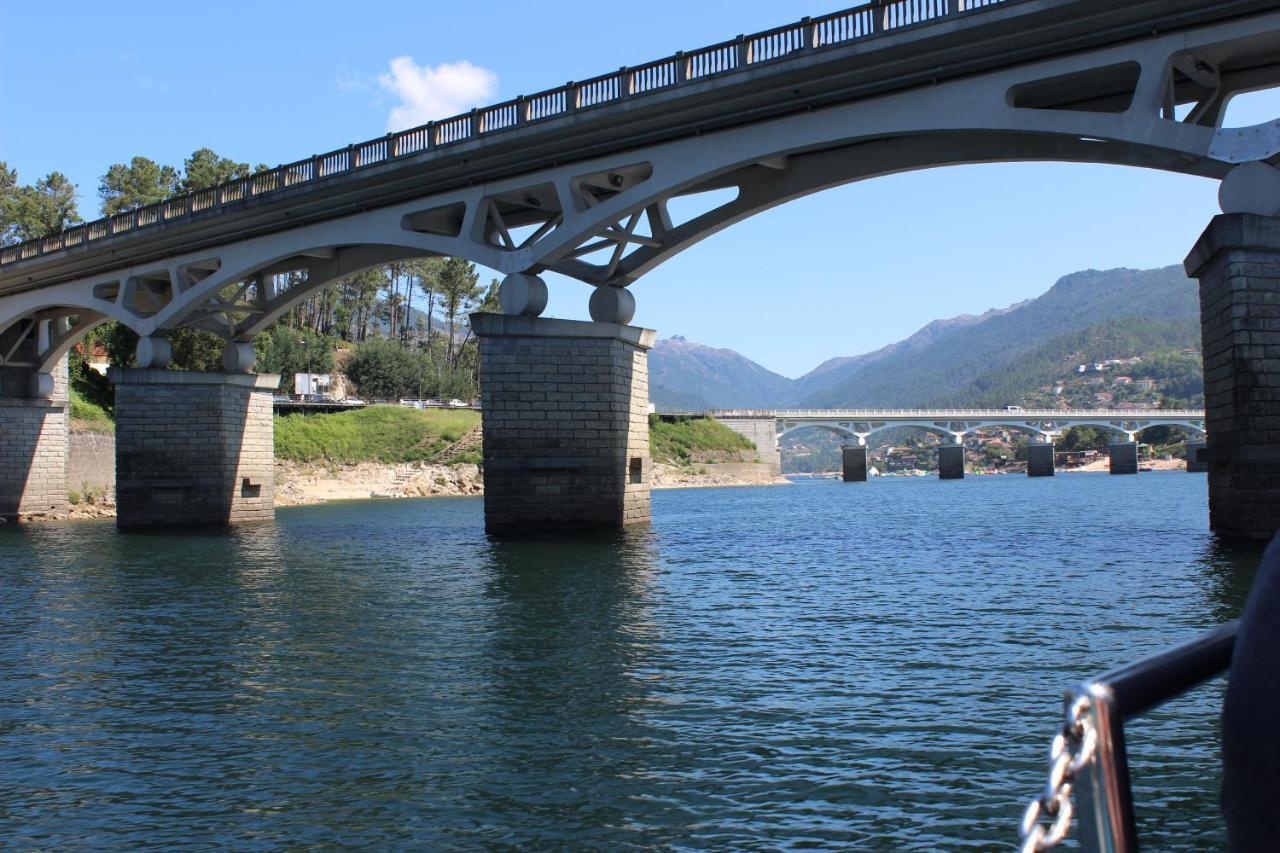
(979,363)
(1023,355)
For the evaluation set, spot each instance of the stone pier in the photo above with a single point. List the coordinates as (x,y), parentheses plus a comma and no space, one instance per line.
(1124,457)
(566,423)
(1195,462)
(854,461)
(33,442)
(1237,261)
(1039,460)
(193,448)
(763,433)
(951,462)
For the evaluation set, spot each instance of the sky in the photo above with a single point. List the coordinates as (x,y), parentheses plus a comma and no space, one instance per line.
(87,84)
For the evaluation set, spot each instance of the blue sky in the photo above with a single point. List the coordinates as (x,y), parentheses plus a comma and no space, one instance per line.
(87,84)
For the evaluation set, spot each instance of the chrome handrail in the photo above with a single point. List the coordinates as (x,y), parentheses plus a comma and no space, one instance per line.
(1099,708)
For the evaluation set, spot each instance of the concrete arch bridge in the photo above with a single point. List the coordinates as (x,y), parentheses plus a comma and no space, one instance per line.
(603,179)
(1044,426)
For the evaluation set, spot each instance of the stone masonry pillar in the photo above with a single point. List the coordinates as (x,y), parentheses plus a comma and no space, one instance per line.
(854,463)
(1039,460)
(566,423)
(1124,457)
(1237,261)
(193,448)
(951,462)
(1195,464)
(763,433)
(33,444)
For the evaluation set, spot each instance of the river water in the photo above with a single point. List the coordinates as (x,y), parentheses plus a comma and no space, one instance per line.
(823,664)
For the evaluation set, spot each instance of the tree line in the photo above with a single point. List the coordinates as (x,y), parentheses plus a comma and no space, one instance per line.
(397,330)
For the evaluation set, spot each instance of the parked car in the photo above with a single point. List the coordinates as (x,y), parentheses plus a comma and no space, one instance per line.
(458,404)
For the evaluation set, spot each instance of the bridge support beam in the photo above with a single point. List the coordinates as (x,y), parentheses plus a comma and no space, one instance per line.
(1039,460)
(951,462)
(33,442)
(566,423)
(193,448)
(1237,261)
(1195,463)
(1124,457)
(854,464)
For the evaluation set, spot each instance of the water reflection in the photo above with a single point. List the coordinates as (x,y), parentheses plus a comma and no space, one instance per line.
(571,632)
(818,665)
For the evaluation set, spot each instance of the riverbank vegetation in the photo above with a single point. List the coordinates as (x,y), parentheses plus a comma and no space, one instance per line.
(688,440)
(388,434)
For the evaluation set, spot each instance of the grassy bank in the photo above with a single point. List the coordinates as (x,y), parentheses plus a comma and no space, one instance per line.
(89,417)
(681,441)
(390,434)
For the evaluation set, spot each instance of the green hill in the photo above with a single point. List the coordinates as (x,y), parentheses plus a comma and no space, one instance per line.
(391,434)
(1003,358)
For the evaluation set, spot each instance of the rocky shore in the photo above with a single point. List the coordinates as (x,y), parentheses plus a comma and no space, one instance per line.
(301,484)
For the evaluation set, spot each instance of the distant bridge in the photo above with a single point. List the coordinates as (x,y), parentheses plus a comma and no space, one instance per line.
(1044,425)
(765,426)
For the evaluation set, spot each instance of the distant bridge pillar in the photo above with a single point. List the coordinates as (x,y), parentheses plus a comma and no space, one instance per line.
(854,463)
(33,437)
(1237,261)
(1124,457)
(193,448)
(1195,464)
(951,462)
(1039,460)
(763,432)
(566,423)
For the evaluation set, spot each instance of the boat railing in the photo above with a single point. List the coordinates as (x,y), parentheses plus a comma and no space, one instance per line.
(1088,758)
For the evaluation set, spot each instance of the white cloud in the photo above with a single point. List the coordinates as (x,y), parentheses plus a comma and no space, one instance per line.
(427,93)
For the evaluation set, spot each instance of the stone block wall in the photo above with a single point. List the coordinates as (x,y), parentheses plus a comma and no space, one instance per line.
(763,432)
(193,448)
(91,463)
(33,457)
(854,464)
(33,443)
(1196,465)
(1237,261)
(950,462)
(1124,457)
(566,423)
(1039,460)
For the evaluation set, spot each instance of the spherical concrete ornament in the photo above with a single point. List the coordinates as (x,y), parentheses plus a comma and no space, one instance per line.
(42,386)
(238,357)
(522,294)
(154,351)
(612,305)
(1251,188)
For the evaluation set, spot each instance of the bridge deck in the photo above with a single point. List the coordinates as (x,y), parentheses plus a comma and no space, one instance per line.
(958,414)
(844,56)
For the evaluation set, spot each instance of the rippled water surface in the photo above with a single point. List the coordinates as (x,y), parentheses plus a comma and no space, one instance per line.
(816,665)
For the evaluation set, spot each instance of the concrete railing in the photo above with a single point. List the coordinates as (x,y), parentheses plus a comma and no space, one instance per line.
(962,414)
(772,46)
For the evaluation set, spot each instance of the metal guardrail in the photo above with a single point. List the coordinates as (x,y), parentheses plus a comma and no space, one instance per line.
(1089,757)
(776,45)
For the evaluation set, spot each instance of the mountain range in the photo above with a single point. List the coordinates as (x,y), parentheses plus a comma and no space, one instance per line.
(989,359)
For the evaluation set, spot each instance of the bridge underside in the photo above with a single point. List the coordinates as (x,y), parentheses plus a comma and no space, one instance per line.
(608,215)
